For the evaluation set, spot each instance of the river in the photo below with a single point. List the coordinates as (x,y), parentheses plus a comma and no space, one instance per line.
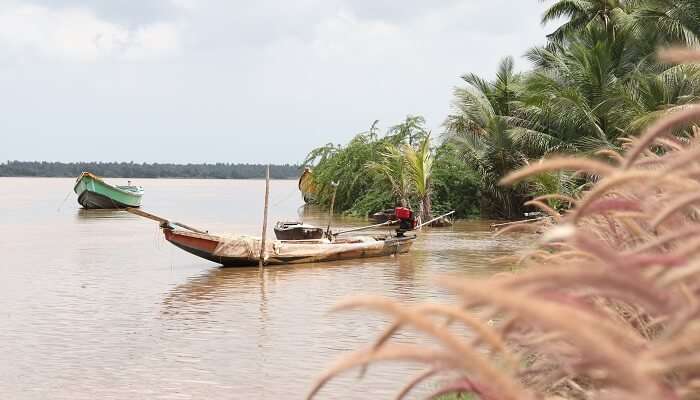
(96,305)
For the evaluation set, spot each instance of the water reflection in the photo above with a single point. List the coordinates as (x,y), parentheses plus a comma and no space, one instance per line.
(83,214)
(213,285)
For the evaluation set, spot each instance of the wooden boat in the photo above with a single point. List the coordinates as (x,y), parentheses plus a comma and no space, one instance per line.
(244,251)
(94,193)
(297,231)
(384,215)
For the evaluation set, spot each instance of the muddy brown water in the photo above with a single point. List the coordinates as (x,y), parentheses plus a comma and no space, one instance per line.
(96,305)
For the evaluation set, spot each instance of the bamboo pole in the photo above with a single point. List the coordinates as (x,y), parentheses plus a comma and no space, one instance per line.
(164,222)
(330,212)
(434,219)
(366,227)
(264,227)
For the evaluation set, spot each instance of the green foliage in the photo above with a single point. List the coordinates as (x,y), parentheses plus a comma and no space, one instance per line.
(397,169)
(374,200)
(455,186)
(595,82)
(349,167)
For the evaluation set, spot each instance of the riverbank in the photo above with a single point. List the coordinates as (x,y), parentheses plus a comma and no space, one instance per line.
(147,170)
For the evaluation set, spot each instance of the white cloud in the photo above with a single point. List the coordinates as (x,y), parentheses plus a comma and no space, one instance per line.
(237,80)
(79,35)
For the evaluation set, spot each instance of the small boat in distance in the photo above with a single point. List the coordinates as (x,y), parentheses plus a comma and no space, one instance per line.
(297,231)
(94,193)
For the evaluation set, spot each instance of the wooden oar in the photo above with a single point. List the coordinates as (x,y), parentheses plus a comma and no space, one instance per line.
(162,220)
(366,227)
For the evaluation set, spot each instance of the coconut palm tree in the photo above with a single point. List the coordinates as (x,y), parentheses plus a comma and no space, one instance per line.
(392,167)
(419,167)
(596,89)
(488,128)
(648,96)
(572,94)
(612,15)
(667,22)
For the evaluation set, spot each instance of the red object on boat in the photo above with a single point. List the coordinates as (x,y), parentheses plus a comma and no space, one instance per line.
(403,213)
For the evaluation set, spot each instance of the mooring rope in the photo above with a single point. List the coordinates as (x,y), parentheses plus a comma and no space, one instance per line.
(63,202)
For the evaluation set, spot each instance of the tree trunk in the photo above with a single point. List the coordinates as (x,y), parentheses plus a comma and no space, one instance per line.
(425,210)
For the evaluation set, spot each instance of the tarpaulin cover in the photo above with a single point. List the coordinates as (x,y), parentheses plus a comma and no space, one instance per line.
(249,247)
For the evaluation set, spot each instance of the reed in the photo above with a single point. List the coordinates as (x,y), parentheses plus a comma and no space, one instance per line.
(605,306)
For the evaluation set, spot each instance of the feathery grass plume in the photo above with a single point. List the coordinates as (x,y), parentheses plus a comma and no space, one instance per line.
(679,55)
(557,164)
(556,196)
(662,127)
(676,205)
(544,207)
(606,305)
(669,143)
(611,154)
(520,227)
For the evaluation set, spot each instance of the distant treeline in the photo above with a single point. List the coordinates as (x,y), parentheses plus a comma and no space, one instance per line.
(145,170)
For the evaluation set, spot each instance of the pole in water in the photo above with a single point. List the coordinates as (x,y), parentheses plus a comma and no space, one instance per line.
(264,227)
(330,213)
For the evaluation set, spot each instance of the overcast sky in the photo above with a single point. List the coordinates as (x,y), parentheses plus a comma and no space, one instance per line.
(236,81)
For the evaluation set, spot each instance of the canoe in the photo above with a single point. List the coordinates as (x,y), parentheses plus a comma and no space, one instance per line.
(94,193)
(244,251)
(297,231)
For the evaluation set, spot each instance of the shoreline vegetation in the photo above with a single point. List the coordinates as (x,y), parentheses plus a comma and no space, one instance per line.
(596,82)
(147,170)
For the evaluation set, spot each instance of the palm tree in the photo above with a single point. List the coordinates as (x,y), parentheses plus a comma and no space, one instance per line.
(392,166)
(488,127)
(648,96)
(419,165)
(666,22)
(612,15)
(595,89)
(574,92)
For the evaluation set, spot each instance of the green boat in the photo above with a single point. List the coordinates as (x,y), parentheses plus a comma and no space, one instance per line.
(94,193)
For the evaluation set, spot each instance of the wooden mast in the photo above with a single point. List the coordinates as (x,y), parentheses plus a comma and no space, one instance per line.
(264,227)
(330,212)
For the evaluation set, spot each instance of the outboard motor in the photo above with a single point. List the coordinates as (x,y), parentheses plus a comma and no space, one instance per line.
(406,219)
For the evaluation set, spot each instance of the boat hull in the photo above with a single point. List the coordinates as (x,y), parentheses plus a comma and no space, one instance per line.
(93,193)
(95,201)
(295,252)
